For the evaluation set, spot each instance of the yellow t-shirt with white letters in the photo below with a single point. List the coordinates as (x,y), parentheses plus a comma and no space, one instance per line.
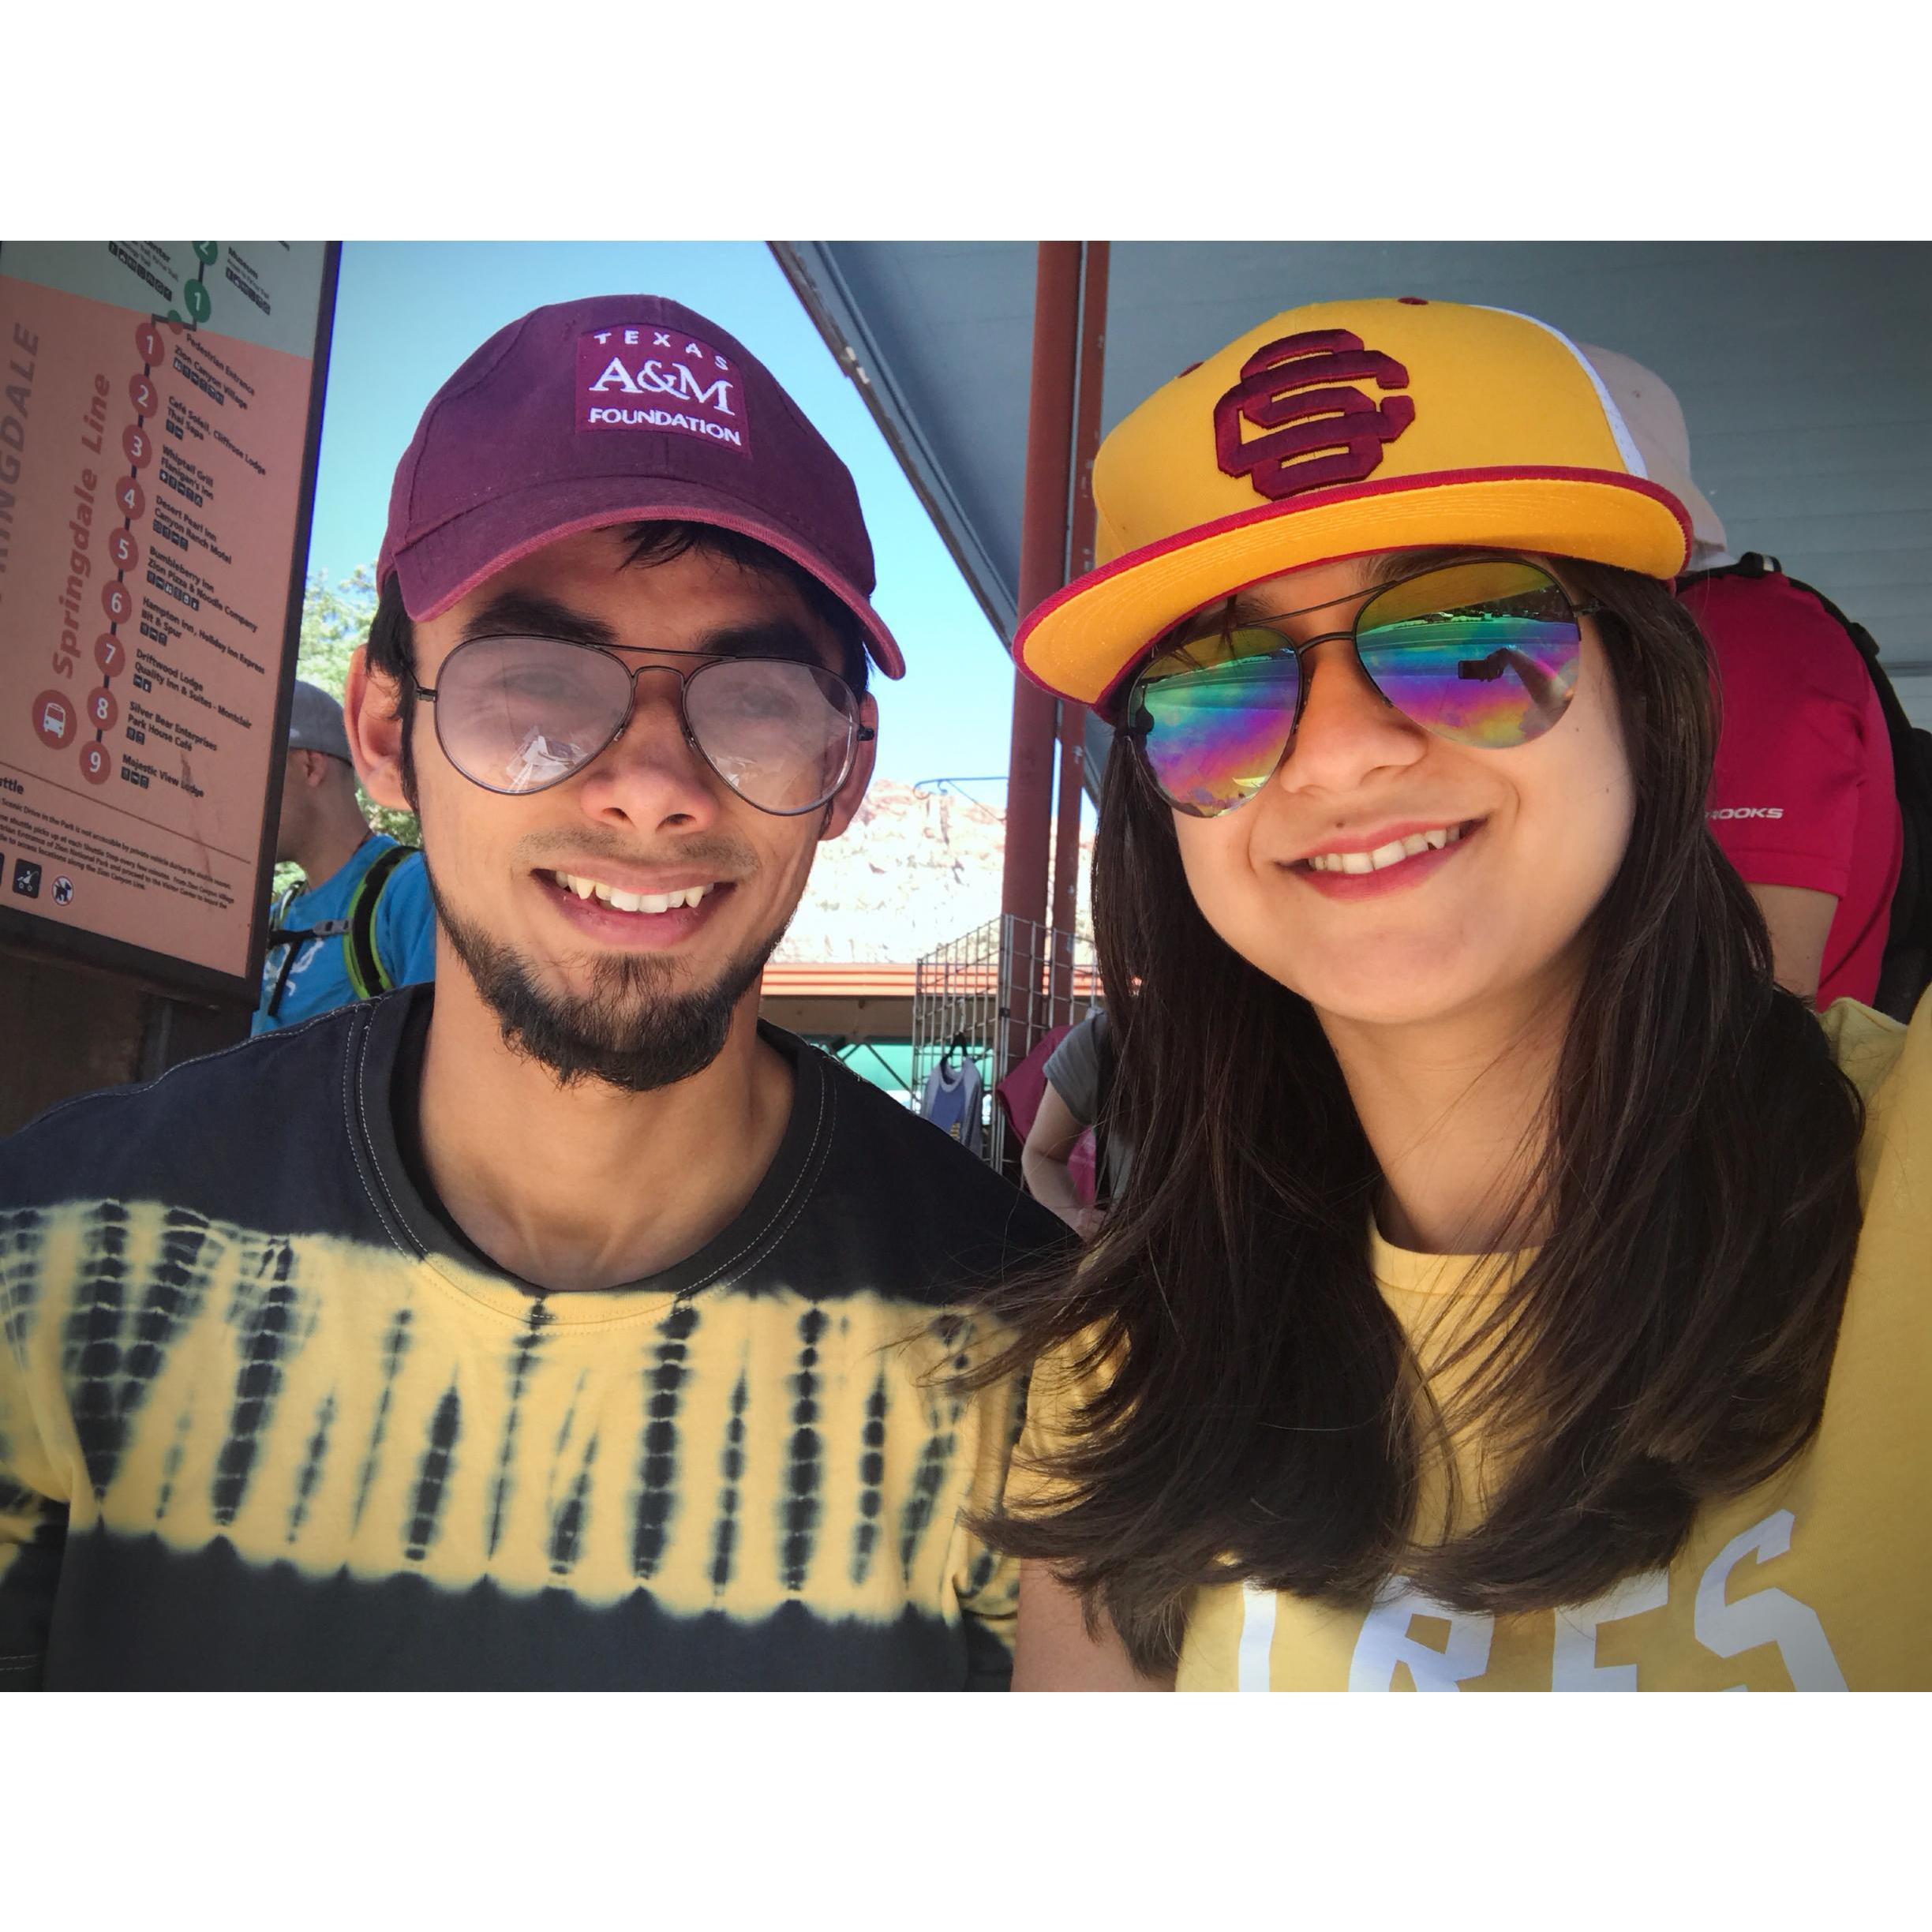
(1820,1579)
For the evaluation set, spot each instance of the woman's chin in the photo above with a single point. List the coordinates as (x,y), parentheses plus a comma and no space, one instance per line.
(1448,988)
(1401,992)
(1400,1008)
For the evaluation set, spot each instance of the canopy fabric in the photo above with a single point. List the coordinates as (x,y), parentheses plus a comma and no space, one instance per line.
(1800,366)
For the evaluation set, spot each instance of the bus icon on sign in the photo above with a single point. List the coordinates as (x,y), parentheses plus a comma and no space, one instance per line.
(55,719)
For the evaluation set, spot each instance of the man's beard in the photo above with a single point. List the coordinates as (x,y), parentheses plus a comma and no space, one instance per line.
(618,1032)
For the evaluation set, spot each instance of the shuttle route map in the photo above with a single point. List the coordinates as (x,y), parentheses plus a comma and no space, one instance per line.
(154,413)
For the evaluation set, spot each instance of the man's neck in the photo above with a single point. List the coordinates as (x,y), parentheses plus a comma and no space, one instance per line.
(1456,1112)
(330,848)
(586,1186)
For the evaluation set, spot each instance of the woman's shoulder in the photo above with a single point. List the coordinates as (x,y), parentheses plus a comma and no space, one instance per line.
(1870,1048)
(1063,1383)
(1891,1066)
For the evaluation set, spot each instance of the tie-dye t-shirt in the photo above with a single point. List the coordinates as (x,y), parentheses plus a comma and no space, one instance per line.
(266,1419)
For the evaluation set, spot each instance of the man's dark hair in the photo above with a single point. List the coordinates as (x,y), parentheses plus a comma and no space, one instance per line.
(392,648)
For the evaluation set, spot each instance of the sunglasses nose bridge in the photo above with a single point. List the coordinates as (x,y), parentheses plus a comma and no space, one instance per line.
(1302,646)
(684,678)
(645,670)
(1305,675)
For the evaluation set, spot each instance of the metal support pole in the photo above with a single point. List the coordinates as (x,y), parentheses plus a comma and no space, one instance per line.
(1073,722)
(1042,570)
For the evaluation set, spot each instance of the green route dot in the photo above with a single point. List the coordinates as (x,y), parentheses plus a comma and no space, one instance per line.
(196,295)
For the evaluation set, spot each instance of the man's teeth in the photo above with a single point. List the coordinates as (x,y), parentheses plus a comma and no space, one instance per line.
(1393,853)
(629,901)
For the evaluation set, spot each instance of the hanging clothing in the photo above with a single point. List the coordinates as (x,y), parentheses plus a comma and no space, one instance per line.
(952,1102)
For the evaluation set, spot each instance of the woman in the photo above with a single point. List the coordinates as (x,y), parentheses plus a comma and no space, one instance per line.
(1515,1287)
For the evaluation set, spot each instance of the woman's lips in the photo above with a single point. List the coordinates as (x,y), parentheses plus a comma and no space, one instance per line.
(1395,877)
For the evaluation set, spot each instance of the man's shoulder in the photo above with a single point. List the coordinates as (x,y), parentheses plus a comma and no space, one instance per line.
(904,1186)
(407,885)
(1768,623)
(200,1133)
(409,865)
(406,917)
(393,872)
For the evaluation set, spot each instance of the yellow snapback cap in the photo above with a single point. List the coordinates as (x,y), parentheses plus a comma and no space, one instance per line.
(1336,429)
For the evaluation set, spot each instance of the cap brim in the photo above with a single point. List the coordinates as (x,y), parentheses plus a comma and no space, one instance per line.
(442,567)
(1081,642)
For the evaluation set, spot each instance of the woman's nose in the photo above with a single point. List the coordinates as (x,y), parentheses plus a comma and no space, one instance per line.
(1348,730)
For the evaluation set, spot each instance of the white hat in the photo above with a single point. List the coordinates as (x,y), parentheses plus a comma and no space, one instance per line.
(1656,420)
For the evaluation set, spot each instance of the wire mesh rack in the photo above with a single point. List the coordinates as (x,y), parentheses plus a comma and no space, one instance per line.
(990,996)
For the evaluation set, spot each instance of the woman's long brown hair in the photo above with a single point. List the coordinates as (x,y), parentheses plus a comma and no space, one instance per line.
(1670,1342)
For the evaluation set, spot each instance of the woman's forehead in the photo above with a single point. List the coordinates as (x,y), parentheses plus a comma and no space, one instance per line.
(1334,580)
(1311,586)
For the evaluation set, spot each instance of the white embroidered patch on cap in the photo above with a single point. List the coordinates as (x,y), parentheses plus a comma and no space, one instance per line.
(645,377)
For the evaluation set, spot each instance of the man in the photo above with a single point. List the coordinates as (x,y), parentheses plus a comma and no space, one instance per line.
(1803,801)
(574,1329)
(362,921)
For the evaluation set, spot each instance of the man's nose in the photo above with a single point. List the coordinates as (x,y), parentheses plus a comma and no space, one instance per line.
(652,775)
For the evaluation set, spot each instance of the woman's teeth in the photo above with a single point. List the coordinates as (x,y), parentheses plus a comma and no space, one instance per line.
(627,901)
(1393,853)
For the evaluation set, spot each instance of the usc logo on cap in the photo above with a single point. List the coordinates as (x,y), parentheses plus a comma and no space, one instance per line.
(1294,389)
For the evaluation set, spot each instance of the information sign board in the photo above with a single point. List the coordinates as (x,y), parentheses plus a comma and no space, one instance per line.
(160,407)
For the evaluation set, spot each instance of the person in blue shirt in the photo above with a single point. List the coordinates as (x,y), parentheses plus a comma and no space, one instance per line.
(362,921)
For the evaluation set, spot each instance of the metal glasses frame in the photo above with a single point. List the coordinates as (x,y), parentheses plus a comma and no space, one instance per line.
(859,733)
(1136,724)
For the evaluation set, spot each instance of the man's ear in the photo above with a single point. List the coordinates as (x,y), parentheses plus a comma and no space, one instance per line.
(370,702)
(845,802)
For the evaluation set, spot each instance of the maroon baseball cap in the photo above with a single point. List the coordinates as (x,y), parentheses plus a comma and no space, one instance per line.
(613,410)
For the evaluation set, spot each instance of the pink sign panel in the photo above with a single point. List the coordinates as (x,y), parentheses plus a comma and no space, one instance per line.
(153,473)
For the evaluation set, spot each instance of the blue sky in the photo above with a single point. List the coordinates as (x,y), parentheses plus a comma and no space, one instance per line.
(408,313)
